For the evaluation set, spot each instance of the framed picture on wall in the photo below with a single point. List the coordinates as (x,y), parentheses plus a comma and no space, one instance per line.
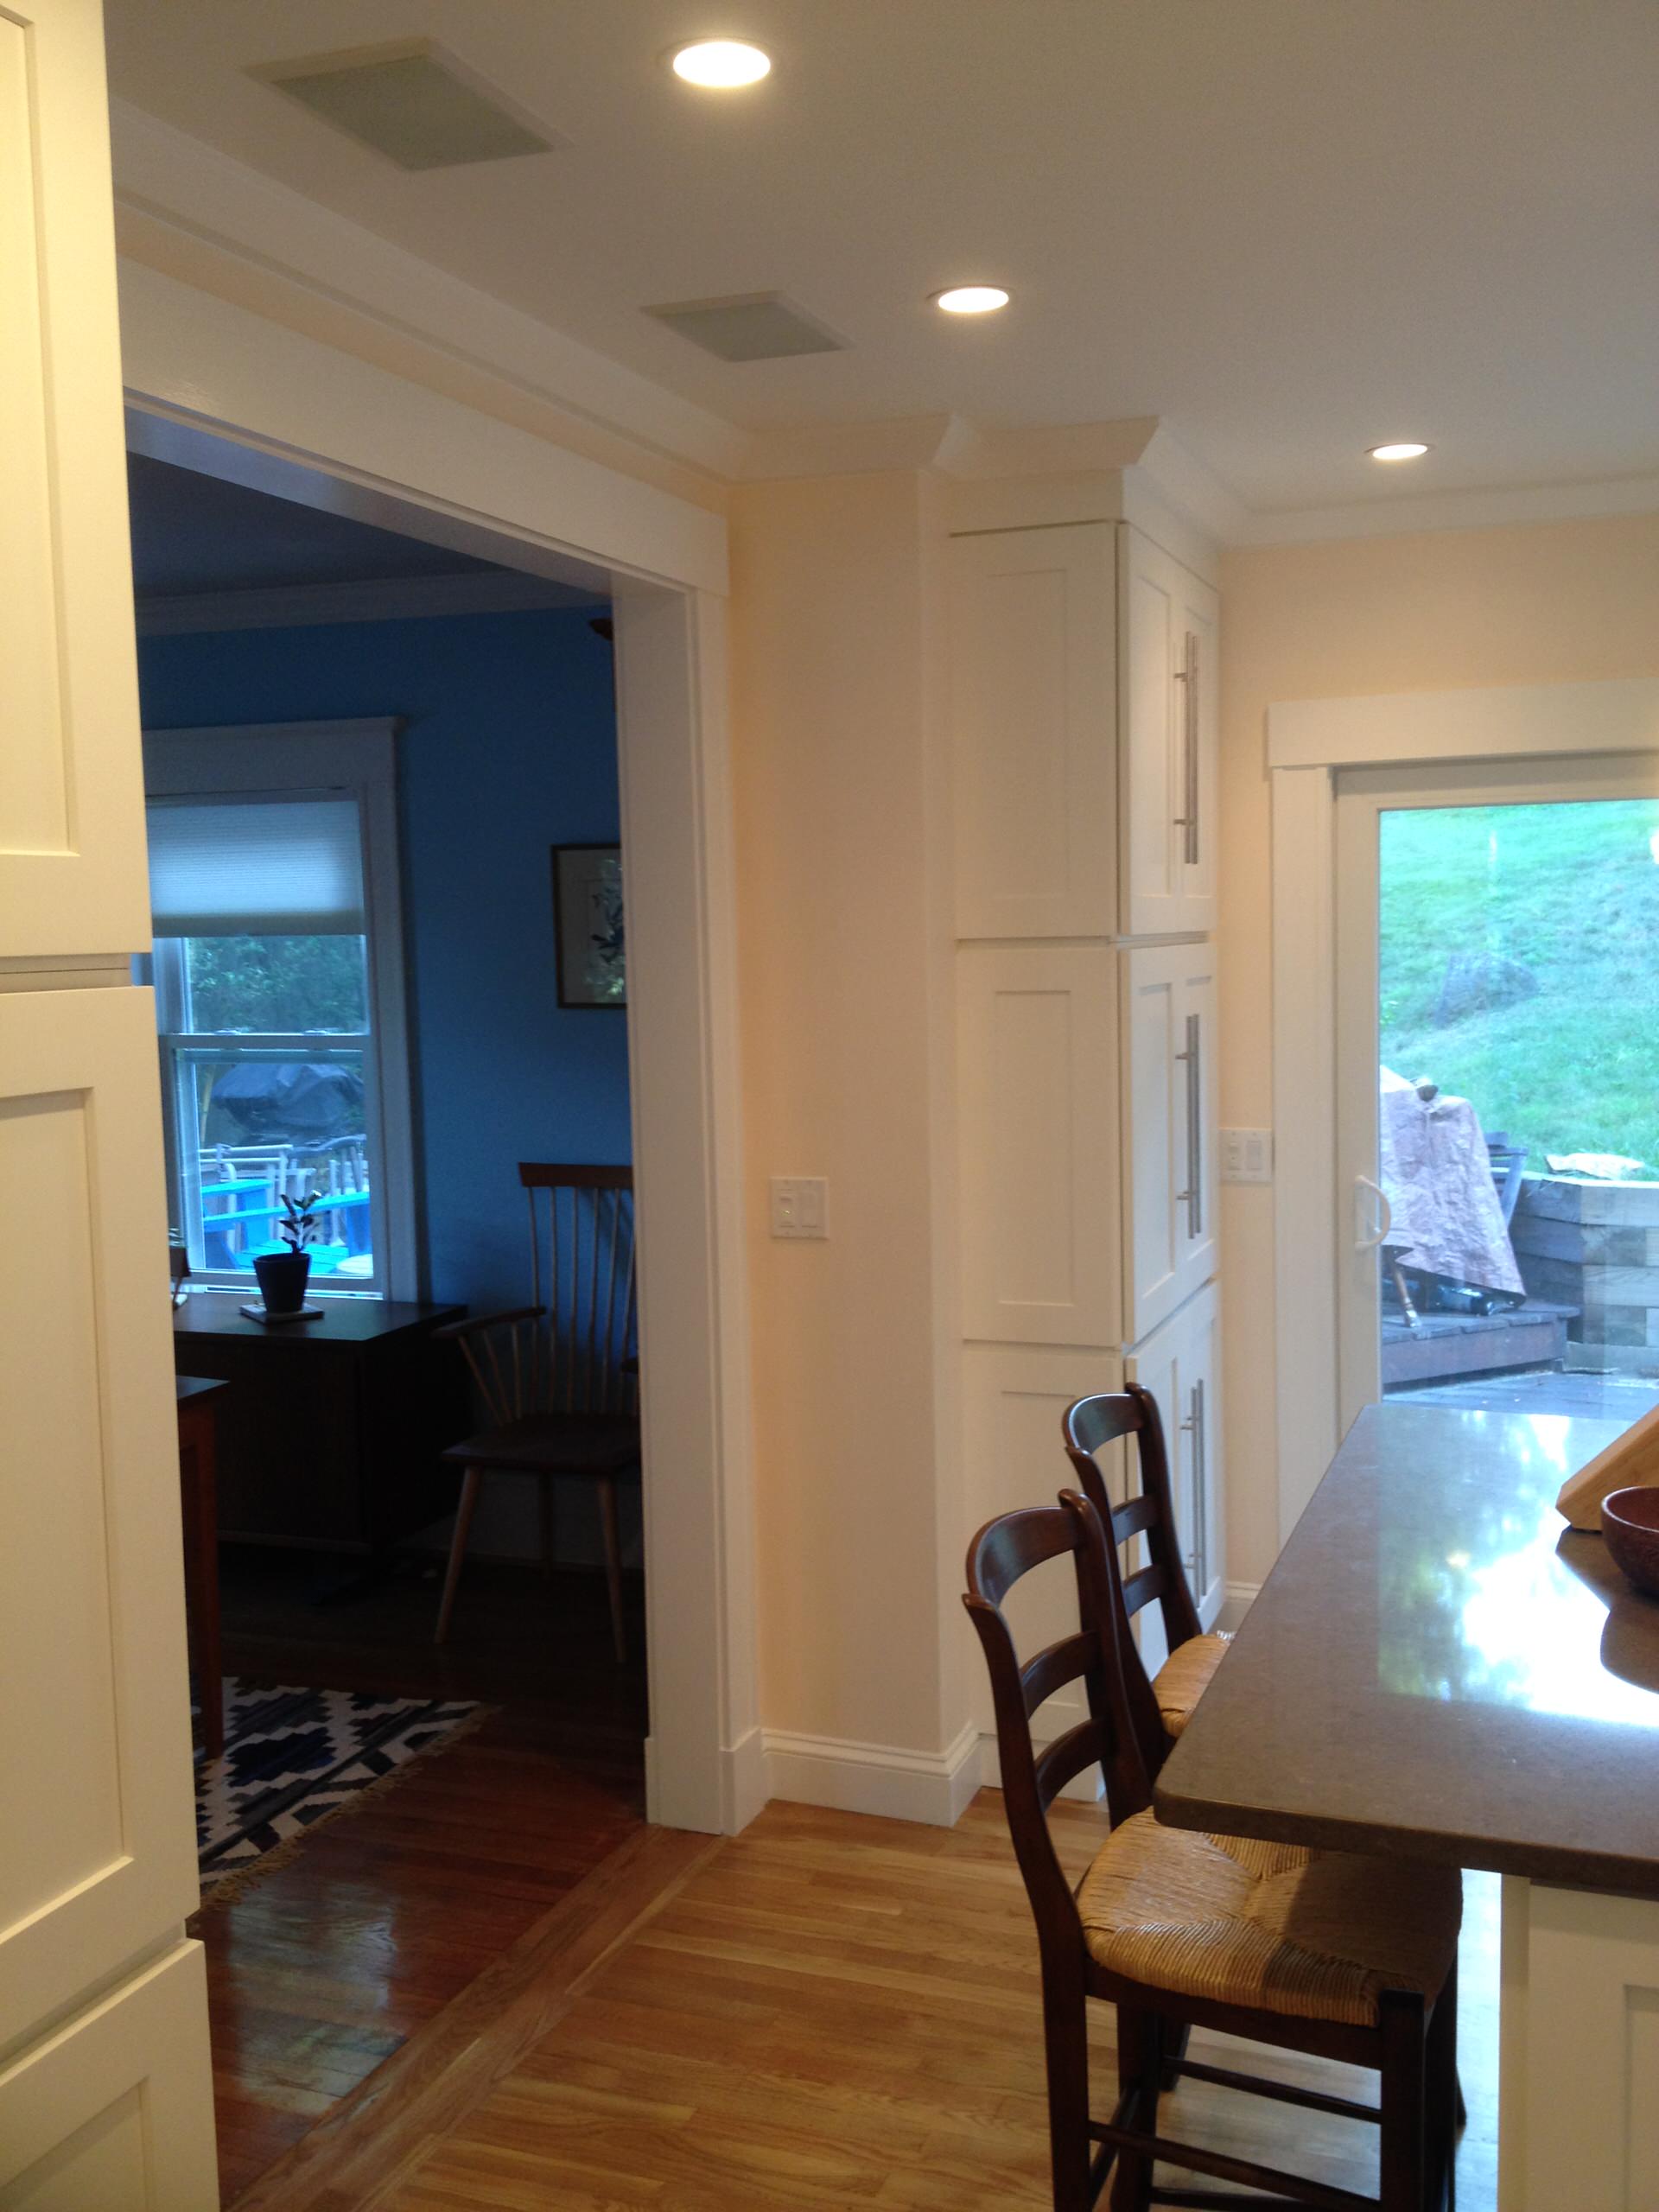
(588,929)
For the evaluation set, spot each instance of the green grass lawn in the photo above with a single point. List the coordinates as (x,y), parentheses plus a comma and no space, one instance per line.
(1572,892)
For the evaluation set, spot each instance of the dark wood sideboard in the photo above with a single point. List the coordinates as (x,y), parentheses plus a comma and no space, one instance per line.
(331,1437)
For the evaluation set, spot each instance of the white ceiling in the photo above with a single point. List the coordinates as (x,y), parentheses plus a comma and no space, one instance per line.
(1289,228)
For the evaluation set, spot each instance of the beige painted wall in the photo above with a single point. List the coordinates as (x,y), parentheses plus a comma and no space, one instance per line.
(839,954)
(1547,602)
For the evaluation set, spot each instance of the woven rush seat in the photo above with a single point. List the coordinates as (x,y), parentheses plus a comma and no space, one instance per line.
(1185,1676)
(1316,1935)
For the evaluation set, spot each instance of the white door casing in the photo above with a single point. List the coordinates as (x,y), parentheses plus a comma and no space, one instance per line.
(1309,742)
(215,386)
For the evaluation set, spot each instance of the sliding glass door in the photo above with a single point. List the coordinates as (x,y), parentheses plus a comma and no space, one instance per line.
(1497,1104)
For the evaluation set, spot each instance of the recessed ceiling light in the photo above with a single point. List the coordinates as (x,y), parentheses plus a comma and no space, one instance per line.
(1408,449)
(971,299)
(721,64)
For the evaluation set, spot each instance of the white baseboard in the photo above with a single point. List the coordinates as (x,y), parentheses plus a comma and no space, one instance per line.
(1084,1789)
(933,1787)
(743,1785)
(1240,1596)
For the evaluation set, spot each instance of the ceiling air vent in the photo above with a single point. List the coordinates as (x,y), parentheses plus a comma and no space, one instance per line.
(756,327)
(412,102)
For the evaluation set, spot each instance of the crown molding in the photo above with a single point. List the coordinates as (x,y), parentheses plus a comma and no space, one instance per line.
(849,449)
(375,598)
(1493,509)
(164,172)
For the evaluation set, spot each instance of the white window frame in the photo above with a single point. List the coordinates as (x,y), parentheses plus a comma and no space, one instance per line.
(355,760)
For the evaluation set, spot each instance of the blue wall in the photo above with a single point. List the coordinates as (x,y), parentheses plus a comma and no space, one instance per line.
(509,747)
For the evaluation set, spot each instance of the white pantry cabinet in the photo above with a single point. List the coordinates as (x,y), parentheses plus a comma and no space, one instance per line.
(1168,999)
(1180,1364)
(1083,714)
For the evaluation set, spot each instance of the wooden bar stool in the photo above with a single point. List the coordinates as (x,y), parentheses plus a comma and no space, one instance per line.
(1344,1957)
(1088,1426)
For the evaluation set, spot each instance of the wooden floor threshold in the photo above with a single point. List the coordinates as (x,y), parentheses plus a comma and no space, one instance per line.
(354,2158)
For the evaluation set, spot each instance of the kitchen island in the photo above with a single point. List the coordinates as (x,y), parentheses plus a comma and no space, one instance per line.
(1439,1668)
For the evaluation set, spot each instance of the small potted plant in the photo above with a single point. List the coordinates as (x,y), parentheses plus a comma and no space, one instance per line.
(283,1274)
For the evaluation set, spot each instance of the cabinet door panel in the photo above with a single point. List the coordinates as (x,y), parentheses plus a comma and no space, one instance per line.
(1038,1177)
(72,845)
(1180,1364)
(1013,1398)
(113,2112)
(1169,1150)
(1169,622)
(96,1850)
(1034,713)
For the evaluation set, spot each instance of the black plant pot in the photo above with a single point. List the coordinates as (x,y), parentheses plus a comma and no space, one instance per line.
(282,1280)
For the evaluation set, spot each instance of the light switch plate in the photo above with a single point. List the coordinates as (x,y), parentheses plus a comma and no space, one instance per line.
(800,1206)
(1247,1156)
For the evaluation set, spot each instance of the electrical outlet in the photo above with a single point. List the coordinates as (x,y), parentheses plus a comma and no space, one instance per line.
(799,1205)
(1247,1156)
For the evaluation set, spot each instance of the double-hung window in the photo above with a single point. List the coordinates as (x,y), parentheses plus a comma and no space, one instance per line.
(279,987)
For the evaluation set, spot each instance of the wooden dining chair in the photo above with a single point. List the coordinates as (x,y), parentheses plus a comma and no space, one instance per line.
(1343,1957)
(1088,1426)
(558,1378)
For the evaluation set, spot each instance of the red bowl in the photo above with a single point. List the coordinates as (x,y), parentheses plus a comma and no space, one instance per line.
(1630,1523)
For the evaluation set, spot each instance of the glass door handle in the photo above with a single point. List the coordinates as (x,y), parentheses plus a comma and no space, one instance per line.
(1367,1240)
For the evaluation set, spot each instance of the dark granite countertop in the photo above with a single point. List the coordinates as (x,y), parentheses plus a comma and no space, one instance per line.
(1437,1668)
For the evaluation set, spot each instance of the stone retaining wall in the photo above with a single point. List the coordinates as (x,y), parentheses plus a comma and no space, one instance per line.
(1595,1246)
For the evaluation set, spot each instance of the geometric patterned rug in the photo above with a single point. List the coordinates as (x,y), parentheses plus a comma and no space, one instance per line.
(293,1758)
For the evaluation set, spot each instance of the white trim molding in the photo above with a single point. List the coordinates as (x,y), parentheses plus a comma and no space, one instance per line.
(224,390)
(1309,741)
(932,1787)
(1237,1599)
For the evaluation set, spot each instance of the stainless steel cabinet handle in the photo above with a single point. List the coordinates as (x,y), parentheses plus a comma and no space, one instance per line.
(1196,1561)
(1188,820)
(1192,1196)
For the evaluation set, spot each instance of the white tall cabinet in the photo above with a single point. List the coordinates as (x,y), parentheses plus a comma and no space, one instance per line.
(1083,685)
(106,2094)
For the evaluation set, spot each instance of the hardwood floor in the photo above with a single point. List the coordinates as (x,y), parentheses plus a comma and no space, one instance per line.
(834,2011)
(322,1969)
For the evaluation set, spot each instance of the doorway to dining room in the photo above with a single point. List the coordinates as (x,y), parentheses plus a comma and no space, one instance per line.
(382,785)
(1498,1082)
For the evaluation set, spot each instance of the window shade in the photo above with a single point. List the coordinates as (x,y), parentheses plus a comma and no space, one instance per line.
(255,868)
